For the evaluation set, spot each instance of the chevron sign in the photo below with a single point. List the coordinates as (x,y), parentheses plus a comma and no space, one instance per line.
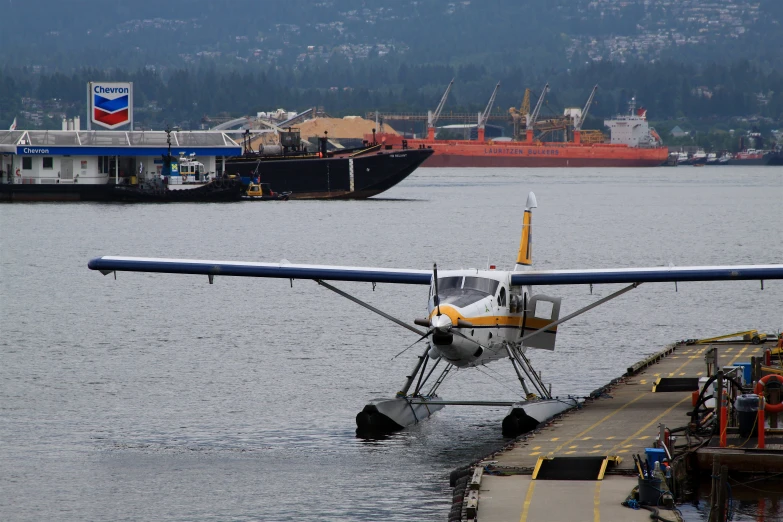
(111,104)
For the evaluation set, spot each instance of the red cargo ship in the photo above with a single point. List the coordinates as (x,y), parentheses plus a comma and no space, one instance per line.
(632,143)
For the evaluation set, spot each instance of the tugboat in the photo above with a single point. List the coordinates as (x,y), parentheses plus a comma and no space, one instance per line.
(160,190)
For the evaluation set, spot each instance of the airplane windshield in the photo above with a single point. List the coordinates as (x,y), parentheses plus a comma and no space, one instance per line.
(481,284)
(449,283)
(452,290)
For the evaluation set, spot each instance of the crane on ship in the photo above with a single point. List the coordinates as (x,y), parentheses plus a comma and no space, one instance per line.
(517,115)
(530,119)
(482,117)
(432,117)
(583,116)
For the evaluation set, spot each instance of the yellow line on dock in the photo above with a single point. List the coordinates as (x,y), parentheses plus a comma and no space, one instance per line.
(643,428)
(739,354)
(528,500)
(675,372)
(598,423)
(597,502)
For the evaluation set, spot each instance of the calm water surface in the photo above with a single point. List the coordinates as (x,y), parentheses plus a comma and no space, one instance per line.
(158,397)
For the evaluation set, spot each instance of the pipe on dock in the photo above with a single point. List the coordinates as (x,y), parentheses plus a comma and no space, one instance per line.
(724,416)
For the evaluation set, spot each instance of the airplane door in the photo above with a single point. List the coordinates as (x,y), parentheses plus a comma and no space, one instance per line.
(545,310)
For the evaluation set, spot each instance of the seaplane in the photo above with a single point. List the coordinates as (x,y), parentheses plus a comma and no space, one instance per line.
(474,317)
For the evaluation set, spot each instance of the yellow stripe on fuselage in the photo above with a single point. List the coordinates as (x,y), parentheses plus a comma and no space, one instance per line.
(494,320)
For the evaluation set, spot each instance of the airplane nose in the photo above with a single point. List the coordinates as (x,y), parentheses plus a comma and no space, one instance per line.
(442,323)
(441,334)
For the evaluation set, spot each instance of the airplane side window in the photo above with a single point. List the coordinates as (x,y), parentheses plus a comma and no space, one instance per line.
(502,296)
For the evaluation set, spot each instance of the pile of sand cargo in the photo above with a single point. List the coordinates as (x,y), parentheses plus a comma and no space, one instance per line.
(340,128)
(347,128)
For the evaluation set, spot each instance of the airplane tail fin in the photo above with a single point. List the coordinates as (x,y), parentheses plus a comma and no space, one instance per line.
(525,255)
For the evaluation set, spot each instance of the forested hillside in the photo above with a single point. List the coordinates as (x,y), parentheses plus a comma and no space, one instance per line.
(669,90)
(536,36)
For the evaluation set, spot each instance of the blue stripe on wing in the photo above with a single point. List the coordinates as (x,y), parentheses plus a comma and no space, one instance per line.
(648,275)
(287,271)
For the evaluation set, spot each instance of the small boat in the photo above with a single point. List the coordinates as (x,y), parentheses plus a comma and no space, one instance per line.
(672,160)
(264,192)
(699,157)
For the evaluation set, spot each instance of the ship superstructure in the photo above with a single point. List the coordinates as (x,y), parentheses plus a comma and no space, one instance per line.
(632,129)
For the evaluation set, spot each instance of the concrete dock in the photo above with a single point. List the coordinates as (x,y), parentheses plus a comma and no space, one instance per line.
(621,422)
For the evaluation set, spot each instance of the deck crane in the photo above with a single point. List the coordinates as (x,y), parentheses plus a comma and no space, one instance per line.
(482,117)
(518,114)
(581,118)
(432,118)
(531,118)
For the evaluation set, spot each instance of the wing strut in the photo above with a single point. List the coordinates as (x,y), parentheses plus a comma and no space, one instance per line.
(581,311)
(371,308)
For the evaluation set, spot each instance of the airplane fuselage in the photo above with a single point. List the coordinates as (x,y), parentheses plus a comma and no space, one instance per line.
(485,313)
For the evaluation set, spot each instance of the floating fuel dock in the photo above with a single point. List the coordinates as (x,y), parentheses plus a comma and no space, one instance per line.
(583,464)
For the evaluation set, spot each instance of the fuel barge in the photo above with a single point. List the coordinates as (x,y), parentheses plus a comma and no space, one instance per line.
(132,166)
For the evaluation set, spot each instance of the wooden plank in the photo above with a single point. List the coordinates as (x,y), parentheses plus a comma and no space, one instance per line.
(475,481)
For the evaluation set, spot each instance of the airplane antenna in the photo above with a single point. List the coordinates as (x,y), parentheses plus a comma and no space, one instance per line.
(435,278)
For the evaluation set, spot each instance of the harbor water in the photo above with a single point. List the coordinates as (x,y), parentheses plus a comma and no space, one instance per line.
(162,397)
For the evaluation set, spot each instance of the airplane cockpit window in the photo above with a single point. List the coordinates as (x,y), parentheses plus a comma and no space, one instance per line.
(453,291)
(482,284)
(448,283)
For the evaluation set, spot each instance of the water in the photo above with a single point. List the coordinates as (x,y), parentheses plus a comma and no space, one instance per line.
(157,397)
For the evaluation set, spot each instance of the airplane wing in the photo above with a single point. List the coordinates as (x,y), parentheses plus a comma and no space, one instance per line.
(108,264)
(648,275)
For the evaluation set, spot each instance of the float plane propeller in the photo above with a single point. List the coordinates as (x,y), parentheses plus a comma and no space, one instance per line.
(474,317)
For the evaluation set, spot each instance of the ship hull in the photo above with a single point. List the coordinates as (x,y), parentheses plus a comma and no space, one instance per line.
(218,191)
(447,160)
(70,192)
(338,177)
(460,153)
(769,158)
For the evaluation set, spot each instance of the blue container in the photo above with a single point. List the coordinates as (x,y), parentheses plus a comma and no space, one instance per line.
(654,454)
(745,371)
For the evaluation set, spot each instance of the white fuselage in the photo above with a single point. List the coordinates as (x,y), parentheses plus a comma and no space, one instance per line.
(491,307)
